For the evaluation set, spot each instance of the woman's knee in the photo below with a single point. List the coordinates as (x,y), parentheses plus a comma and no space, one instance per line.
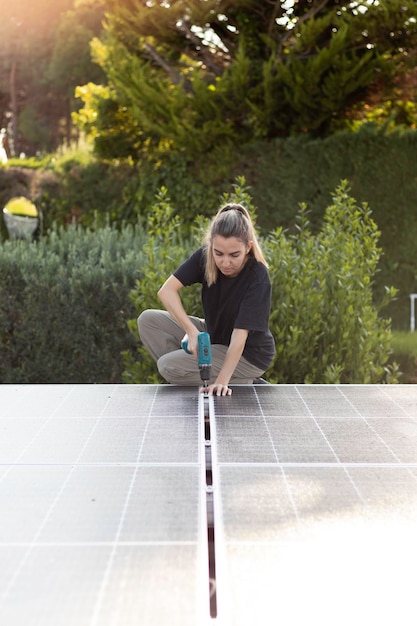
(178,369)
(167,368)
(145,317)
(148,319)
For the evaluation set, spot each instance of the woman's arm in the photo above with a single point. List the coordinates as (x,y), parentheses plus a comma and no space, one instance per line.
(170,298)
(233,354)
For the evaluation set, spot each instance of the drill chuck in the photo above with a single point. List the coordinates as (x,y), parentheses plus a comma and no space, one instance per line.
(204,372)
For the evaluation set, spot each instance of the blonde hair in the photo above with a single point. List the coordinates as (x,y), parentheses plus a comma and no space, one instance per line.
(232,220)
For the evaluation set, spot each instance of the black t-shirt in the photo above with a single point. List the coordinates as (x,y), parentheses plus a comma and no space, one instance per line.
(243,301)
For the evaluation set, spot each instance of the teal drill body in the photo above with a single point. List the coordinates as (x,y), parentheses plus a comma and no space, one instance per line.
(203,355)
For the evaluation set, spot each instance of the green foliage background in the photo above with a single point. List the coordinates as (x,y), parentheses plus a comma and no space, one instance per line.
(378,162)
(201,76)
(67,300)
(324,320)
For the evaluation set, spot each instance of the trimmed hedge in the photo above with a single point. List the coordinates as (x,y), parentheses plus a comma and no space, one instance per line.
(381,168)
(64,305)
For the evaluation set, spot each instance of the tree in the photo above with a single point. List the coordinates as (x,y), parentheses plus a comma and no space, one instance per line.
(197,76)
(25,33)
(35,90)
(71,63)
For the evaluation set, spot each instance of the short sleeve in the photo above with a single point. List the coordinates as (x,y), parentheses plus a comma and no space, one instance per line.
(192,270)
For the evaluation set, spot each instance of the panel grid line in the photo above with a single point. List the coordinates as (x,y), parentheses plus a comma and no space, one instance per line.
(35,437)
(96,544)
(406,413)
(106,464)
(284,476)
(330,446)
(105,579)
(407,466)
(313,464)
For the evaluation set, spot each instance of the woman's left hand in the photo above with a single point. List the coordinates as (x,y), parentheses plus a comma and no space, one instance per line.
(217,390)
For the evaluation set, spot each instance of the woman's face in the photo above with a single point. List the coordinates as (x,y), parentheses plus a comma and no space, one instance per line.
(230,254)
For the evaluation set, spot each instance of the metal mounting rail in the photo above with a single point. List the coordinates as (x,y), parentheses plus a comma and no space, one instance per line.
(215,542)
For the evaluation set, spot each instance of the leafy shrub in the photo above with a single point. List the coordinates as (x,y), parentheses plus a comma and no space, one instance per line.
(325,323)
(192,189)
(167,245)
(89,193)
(64,304)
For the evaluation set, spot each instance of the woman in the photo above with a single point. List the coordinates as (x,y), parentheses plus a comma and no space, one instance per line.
(236,297)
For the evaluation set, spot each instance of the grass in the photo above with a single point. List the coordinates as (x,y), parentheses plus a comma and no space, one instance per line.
(404,345)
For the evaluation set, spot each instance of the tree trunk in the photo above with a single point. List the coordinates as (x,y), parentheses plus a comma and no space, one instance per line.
(13,106)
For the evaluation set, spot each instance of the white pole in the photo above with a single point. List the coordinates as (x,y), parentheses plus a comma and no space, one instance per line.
(413,297)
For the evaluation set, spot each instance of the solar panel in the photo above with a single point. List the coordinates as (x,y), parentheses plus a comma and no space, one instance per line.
(151,505)
(101,506)
(319,515)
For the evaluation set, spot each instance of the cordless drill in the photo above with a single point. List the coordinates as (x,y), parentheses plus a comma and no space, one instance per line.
(203,355)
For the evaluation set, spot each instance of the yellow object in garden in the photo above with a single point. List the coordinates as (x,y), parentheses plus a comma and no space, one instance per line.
(21,206)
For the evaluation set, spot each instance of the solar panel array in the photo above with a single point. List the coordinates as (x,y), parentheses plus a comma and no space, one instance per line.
(103,505)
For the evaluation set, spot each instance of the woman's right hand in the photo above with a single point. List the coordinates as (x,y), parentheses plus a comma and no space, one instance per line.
(192,340)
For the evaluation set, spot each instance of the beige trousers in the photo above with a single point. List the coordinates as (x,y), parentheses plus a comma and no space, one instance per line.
(161,335)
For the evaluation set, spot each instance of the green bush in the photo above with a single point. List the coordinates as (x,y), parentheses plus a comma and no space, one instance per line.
(167,245)
(194,188)
(78,187)
(326,326)
(64,305)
